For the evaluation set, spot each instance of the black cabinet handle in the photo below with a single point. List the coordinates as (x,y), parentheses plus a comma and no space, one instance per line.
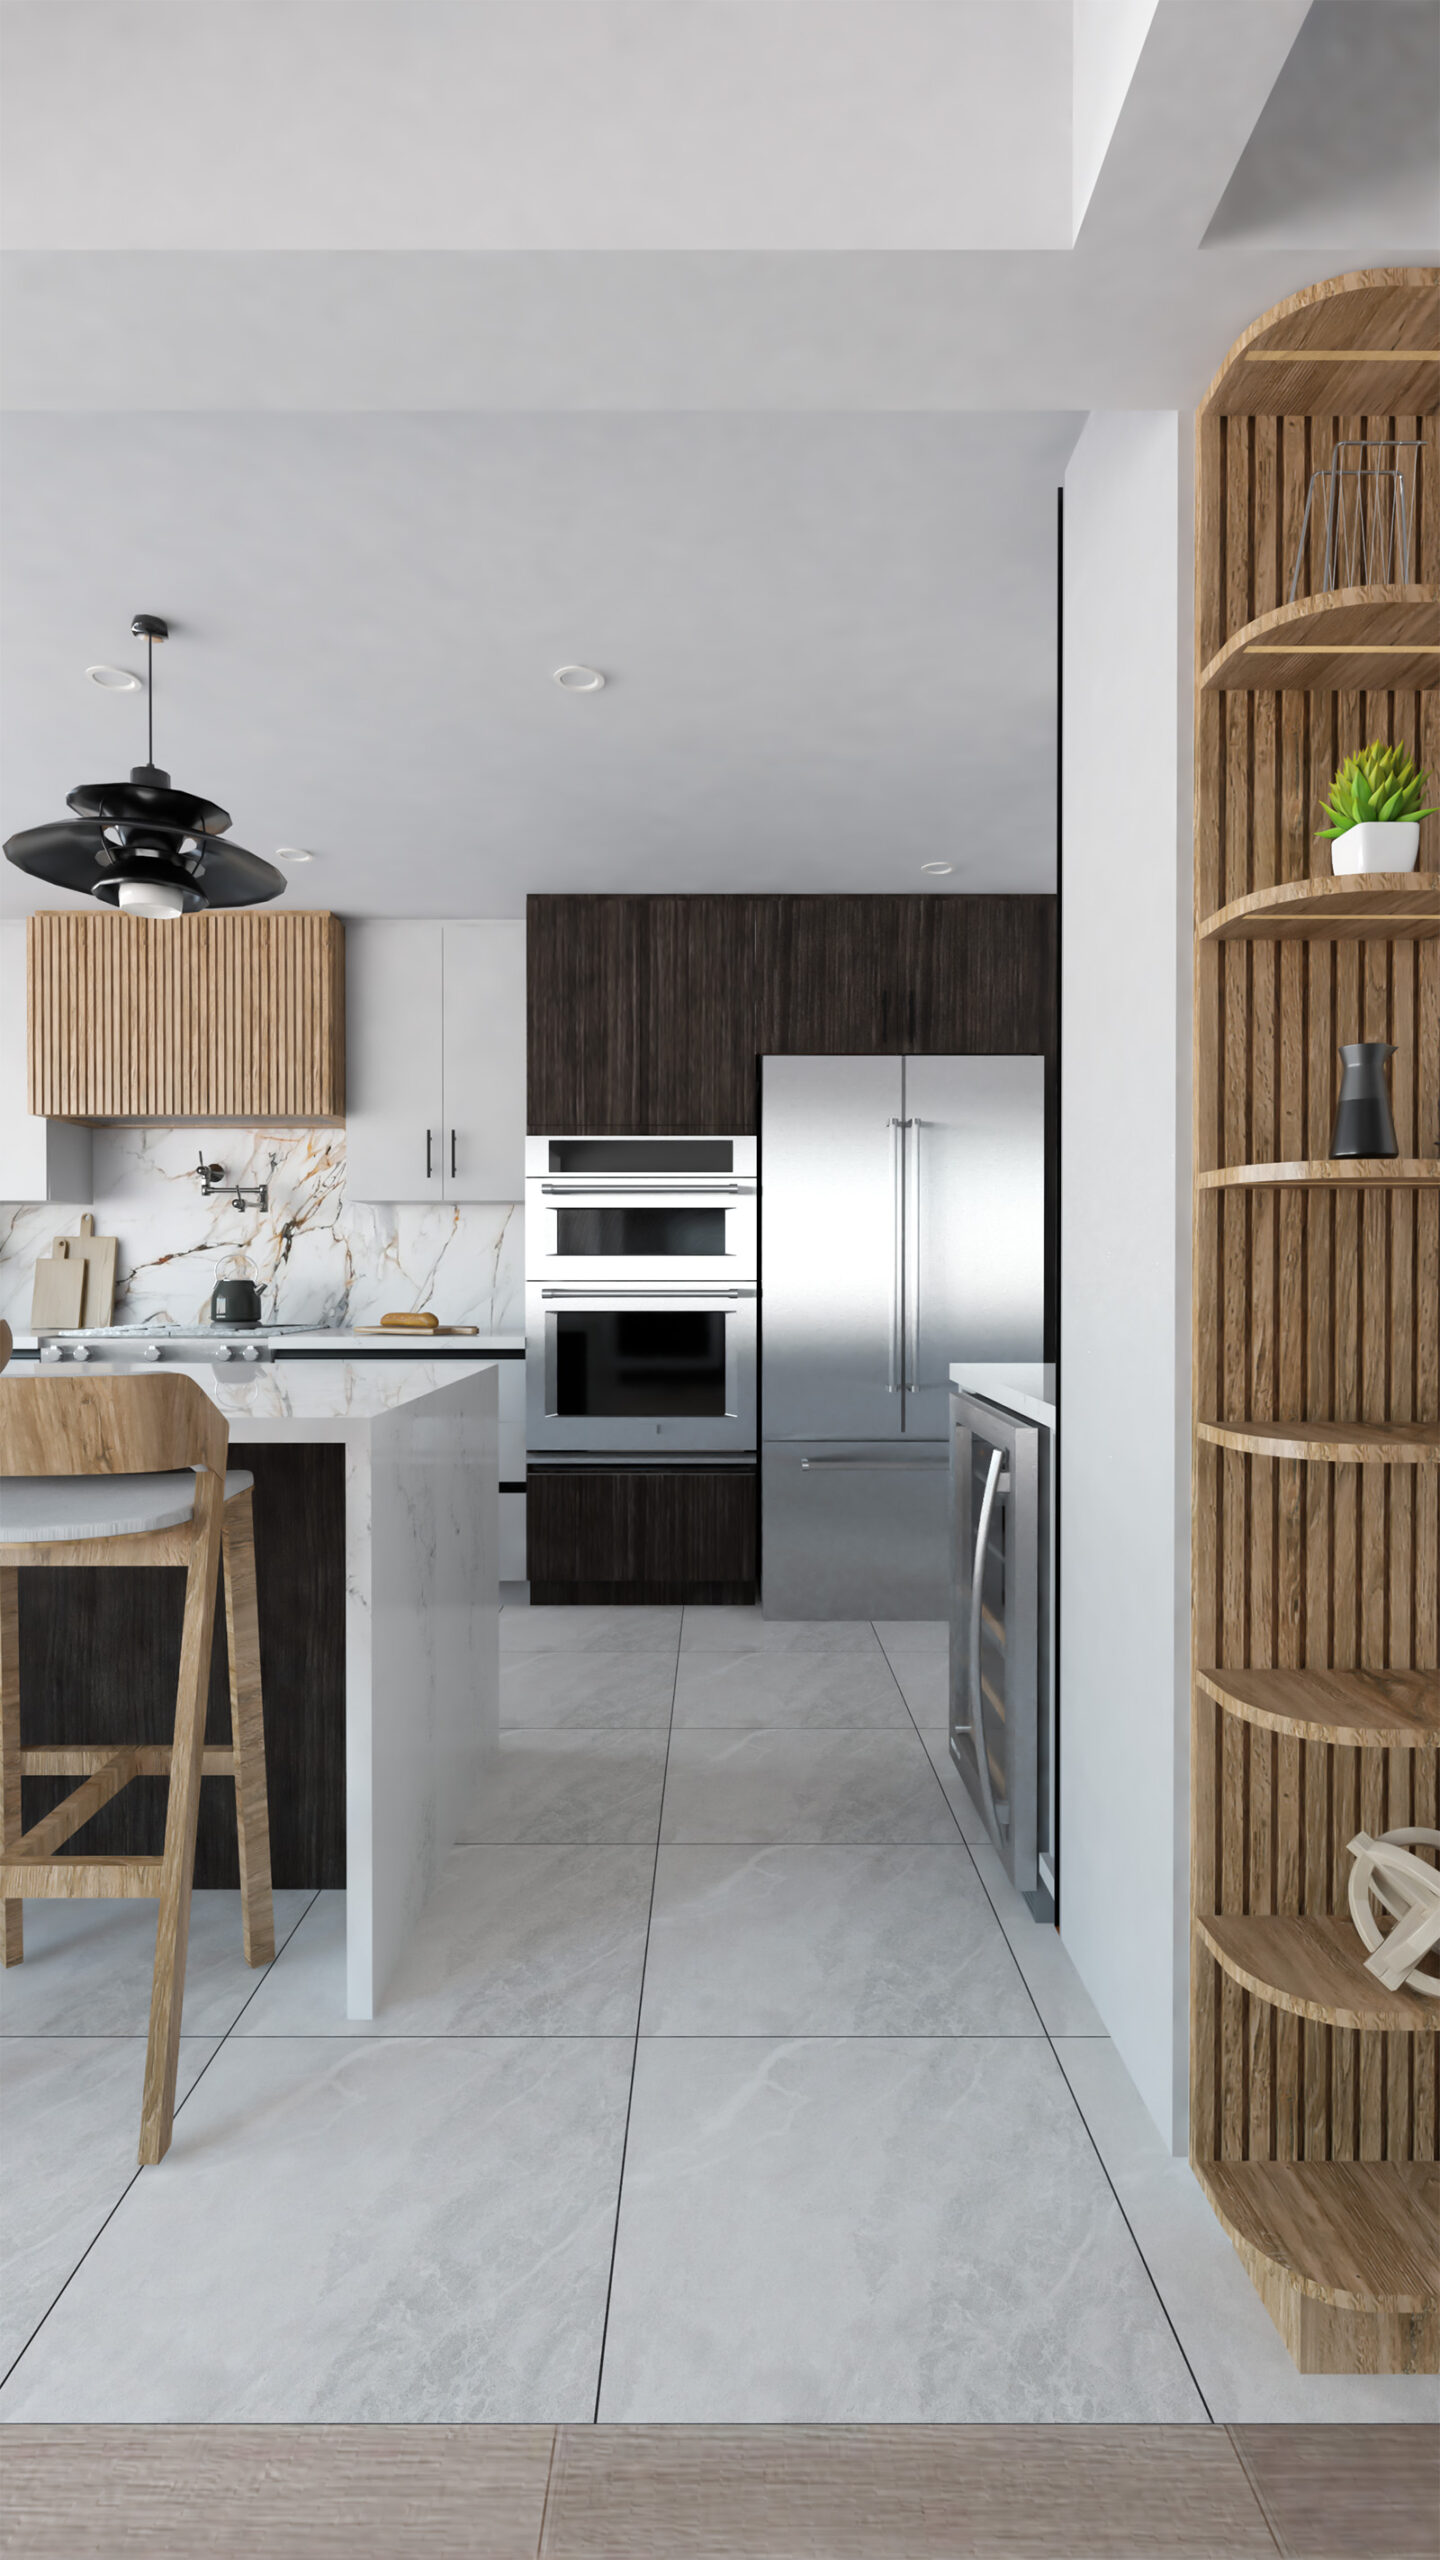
(911,1013)
(452,1155)
(429,1155)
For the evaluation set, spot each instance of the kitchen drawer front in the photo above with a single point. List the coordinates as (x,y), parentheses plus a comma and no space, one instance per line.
(642,1533)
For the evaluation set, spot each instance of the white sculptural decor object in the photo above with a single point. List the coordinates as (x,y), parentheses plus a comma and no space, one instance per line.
(1409,1890)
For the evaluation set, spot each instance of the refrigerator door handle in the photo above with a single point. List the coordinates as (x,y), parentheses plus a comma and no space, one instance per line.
(994,1483)
(897,1256)
(910,1338)
(880,1466)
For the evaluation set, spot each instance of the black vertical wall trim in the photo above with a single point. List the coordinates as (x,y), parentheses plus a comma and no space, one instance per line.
(1059,1158)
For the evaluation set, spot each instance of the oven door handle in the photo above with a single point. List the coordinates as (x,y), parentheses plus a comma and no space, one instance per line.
(580,1186)
(601,1298)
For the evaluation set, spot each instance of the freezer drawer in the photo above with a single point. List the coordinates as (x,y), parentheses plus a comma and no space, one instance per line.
(854,1529)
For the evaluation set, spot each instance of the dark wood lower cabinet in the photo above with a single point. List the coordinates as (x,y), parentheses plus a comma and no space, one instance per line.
(100,1654)
(642,1534)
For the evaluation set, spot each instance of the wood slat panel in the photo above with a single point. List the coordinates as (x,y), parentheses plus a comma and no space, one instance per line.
(206,1017)
(1317,1340)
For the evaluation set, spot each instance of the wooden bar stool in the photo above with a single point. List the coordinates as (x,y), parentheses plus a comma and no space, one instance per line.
(131,1471)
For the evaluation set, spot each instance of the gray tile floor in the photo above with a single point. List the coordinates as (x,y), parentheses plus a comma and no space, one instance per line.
(725,2080)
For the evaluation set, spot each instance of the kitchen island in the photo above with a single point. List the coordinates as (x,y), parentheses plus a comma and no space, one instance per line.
(376,1549)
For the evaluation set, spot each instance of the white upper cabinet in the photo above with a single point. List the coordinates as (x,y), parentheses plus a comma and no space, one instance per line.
(483,969)
(39,1159)
(435,1061)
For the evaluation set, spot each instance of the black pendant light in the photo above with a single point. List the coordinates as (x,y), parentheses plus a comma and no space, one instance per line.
(141,846)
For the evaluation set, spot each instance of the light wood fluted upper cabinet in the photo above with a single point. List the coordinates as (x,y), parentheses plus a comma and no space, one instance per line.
(208,1017)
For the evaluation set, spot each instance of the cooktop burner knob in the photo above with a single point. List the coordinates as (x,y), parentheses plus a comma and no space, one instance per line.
(81,1351)
(152,1350)
(223,1351)
(251,1351)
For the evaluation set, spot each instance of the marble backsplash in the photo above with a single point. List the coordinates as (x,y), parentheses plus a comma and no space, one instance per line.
(320,1259)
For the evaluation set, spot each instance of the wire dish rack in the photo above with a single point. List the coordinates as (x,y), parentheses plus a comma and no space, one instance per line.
(1367,492)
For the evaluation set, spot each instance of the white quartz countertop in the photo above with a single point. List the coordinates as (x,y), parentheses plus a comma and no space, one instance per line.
(1022,1386)
(304,1400)
(362,1346)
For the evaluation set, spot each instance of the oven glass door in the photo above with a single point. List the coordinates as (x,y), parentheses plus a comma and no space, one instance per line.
(640,1369)
(622,1231)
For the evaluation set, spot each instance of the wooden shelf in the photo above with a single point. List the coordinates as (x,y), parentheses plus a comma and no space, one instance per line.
(1314,1968)
(1357,1710)
(1394,1172)
(1343,2253)
(1355,640)
(1377,906)
(1363,1444)
(1358,346)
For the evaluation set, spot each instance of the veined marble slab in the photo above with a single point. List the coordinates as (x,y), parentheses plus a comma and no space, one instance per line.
(320,1257)
(422,1610)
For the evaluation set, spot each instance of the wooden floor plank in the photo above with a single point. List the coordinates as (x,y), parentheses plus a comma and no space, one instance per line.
(273,2493)
(1347,2493)
(900,2493)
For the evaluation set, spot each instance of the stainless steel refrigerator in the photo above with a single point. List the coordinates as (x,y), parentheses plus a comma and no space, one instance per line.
(902,1227)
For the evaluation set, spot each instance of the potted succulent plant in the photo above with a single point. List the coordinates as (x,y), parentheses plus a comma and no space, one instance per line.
(1374,811)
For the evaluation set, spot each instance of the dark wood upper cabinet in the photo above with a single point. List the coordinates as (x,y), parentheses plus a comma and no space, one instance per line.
(977,975)
(641,1015)
(648,1015)
(827,976)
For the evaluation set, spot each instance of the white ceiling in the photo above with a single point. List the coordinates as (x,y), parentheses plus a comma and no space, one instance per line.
(400,349)
(561,124)
(829,642)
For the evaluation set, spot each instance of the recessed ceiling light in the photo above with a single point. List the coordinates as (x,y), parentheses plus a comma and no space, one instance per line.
(292,853)
(114,679)
(937,866)
(579,679)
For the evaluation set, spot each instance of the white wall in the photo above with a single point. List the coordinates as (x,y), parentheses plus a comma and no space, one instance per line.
(1125,1227)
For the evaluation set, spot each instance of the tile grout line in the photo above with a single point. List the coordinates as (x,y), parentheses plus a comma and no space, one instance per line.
(1064,2075)
(635,2049)
(134,2179)
(1272,2528)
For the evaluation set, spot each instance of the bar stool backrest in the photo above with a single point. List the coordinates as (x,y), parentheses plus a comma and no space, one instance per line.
(117,1426)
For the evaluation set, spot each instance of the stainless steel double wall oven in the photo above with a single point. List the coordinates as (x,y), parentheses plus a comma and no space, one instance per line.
(641,1260)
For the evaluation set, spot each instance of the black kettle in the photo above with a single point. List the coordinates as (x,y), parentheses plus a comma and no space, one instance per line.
(236,1295)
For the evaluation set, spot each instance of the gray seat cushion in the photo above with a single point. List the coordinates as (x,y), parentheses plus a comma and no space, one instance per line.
(41,1509)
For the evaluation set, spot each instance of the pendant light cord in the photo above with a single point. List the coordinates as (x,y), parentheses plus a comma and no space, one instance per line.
(150,696)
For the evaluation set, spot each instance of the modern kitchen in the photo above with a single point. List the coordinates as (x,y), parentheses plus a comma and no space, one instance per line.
(718,1229)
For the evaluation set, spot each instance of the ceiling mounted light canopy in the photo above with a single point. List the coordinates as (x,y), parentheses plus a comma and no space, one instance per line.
(141,845)
(579,679)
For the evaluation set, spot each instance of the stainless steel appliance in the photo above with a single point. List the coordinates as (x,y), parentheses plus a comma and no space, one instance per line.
(903,1216)
(626,1209)
(640,1295)
(1001,1672)
(167,1342)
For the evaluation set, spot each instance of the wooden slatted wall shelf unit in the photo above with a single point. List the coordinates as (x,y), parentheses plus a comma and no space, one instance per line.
(1316,1346)
(203,1017)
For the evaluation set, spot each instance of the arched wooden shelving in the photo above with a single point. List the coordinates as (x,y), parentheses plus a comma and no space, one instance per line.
(1356,640)
(1379,906)
(1315,2106)
(1327,1173)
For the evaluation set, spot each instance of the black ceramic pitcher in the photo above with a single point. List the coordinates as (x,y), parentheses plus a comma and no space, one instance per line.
(1363,1126)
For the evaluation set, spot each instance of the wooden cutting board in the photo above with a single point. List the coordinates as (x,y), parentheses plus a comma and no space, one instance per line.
(59,1292)
(414,1332)
(98,1255)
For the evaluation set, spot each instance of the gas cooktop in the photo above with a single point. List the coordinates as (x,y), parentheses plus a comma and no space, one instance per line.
(200,1332)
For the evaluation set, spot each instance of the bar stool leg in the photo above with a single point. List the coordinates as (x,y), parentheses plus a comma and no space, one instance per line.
(14,1930)
(247,1731)
(172,1933)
